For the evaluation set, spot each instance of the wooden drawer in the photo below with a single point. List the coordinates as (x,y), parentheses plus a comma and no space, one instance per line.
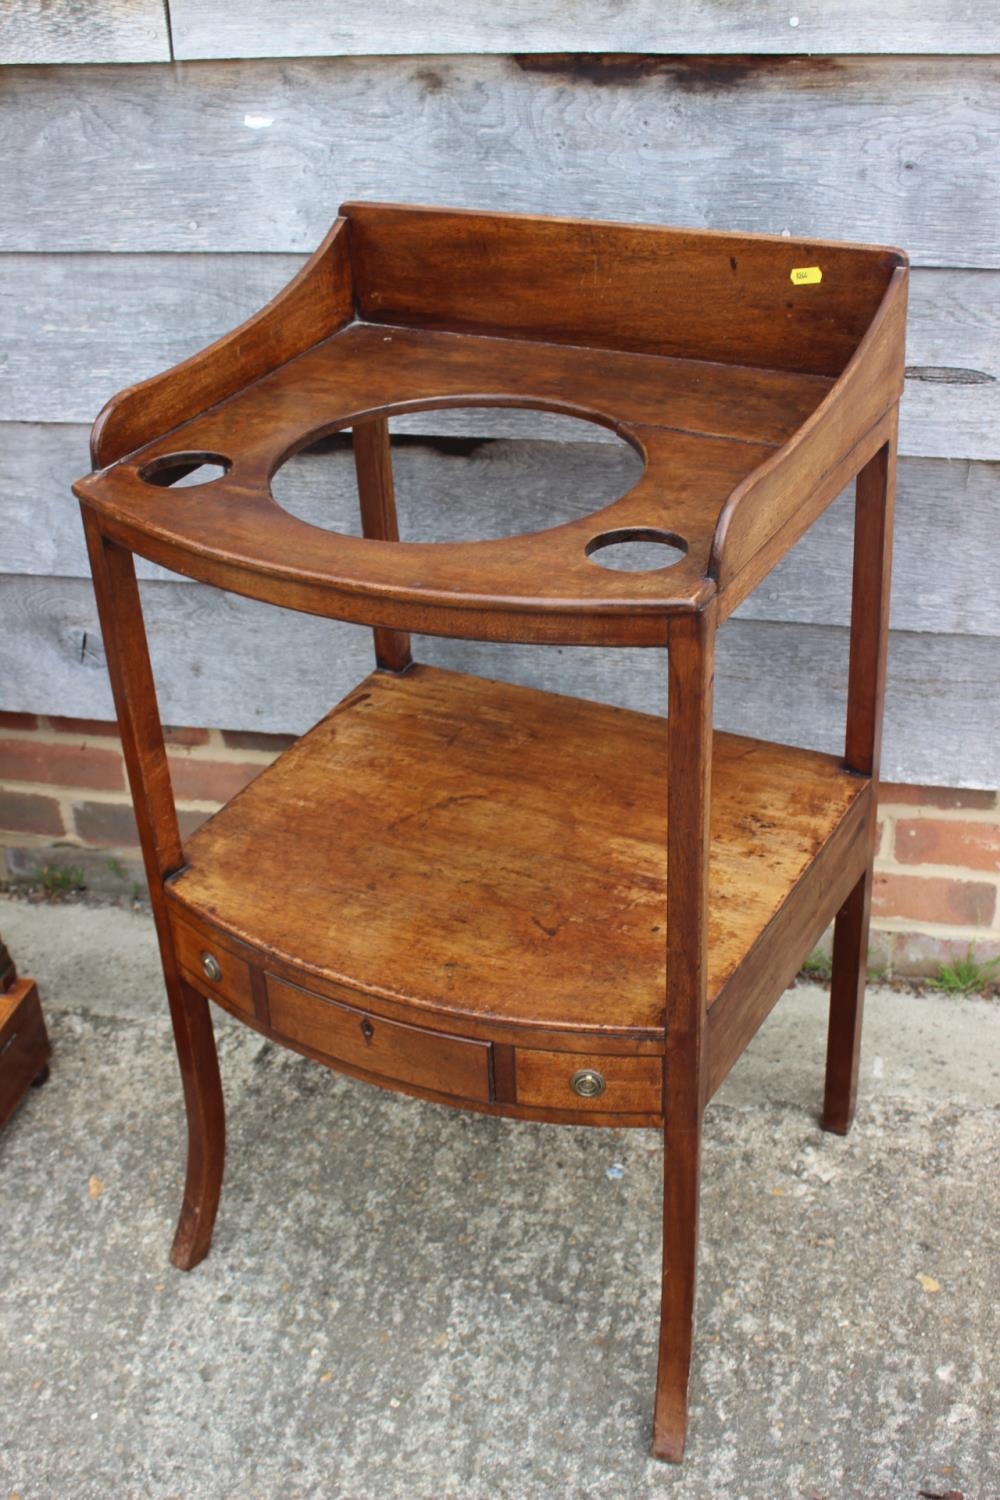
(24,1043)
(631,1085)
(407,1054)
(194,949)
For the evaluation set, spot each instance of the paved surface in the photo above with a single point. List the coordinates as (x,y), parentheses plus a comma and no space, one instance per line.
(406,1301)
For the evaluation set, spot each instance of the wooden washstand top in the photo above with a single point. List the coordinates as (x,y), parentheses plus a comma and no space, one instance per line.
(746,370)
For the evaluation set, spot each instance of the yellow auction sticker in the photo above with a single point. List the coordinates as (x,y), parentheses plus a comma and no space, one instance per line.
(806,276)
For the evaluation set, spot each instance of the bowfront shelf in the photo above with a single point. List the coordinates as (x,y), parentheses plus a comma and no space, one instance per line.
(494,898)
(490,862)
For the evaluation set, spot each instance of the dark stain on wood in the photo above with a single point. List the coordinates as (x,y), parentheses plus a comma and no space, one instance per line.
(948,375)
(430,79)
(693,75)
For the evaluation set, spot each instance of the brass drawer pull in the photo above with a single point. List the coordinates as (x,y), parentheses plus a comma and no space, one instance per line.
(588,1083)
(210,967)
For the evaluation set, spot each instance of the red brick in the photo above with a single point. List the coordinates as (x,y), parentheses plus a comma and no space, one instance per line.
(933,898)
(934,796)
(172,733)
(935,841)
(18,721)
(109,824)
(65,765)
(921,953)
(107,727)
(189,820)
(27,812)
(210,780)
(175,734)
(251,739)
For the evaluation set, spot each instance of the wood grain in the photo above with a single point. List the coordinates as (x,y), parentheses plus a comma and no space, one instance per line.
(695,790)
(702,428)
(541,910)
(227,661)
(875,511)
(24,1041)
(751,994)
(300,28)
(469,862)
(440,1064)
(454,490)
(315,303)
(377,504)
(632,1085)
(233,984)
(154,159)
(66,347)
(523,278)
(130,675)
(78,31)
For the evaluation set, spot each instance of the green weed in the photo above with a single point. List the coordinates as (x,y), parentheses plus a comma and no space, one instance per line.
(59,880)
(966,976)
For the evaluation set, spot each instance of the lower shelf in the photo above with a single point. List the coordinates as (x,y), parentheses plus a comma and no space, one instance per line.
(458,887)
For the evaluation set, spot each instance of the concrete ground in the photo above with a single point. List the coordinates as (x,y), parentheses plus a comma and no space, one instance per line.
(403,1300)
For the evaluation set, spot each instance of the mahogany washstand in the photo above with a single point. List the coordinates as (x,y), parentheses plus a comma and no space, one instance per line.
(492,897)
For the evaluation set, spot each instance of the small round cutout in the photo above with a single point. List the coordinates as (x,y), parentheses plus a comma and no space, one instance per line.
(636,549)
(176,471)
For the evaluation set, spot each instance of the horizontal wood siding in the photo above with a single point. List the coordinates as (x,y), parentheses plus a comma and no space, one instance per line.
(220,658)
(84,31)
(301,28)
(147,209)
(257,156)
(79,327)
(448,490)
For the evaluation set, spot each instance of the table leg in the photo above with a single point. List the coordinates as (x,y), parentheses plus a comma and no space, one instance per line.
(129,668)
(689,752)
(875,492)
(377,498)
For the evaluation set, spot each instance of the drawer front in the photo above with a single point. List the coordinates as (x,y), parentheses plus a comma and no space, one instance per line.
(580,1081)
(24,1043)
(443,1064)
(212,969)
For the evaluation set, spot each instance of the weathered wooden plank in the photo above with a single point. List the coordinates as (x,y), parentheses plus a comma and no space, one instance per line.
(450,489)
(301,28)
(80,327)
(78,31)
(229,661)
(256,156)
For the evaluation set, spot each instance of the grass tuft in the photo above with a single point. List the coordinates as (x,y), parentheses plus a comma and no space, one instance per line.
(966,976)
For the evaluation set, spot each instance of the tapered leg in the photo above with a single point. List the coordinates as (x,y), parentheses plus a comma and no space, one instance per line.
(865,693)
(145,755)
(689,751)
(847,998)
(206,1122)
(681,1172)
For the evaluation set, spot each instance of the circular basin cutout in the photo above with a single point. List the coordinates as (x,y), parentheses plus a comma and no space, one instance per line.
(177,471)
(487,473)
(637,549)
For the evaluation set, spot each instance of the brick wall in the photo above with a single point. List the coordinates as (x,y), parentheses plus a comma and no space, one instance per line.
(64,807)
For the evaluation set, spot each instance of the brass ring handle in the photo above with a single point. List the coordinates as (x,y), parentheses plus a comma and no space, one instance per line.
(210,967)
(588,1083)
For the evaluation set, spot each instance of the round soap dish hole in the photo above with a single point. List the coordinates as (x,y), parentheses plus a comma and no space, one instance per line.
(177,471)
(636,549)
